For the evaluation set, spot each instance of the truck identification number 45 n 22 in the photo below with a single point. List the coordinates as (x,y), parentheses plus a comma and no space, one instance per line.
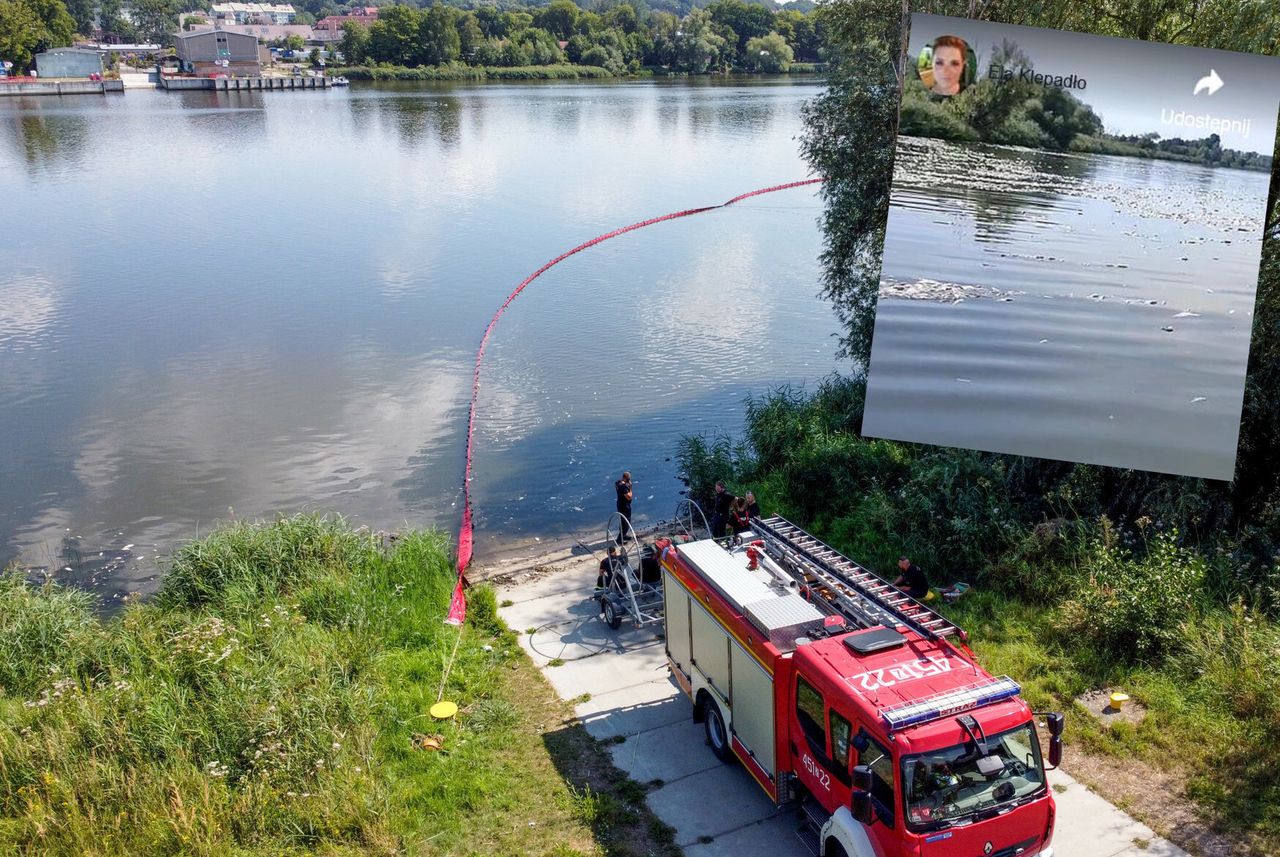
(888,677)
(823,778)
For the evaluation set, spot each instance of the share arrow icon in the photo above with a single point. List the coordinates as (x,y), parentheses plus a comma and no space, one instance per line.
(1211,82)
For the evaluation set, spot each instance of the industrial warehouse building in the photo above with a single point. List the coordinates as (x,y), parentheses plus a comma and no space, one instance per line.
(68,62)
(207,52)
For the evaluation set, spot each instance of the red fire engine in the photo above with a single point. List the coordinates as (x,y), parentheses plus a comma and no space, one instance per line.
(862,704)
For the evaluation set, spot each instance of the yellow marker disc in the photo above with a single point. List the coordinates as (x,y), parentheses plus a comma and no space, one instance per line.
(444,710)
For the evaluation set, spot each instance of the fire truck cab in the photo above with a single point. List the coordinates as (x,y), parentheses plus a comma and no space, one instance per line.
(862,706)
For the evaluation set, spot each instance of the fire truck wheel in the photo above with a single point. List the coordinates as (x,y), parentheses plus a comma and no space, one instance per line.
(717,734)
(835,849)
(610,614)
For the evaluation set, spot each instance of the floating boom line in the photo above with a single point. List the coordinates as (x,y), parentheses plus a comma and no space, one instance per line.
(465,531)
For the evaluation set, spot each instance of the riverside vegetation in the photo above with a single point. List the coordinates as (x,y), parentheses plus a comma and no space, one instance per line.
(273,699)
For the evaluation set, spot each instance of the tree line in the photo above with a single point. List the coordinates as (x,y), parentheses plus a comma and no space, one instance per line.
(622,38)
(1207,150)
(726,35)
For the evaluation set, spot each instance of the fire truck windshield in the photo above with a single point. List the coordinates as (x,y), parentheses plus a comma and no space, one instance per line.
(959,784)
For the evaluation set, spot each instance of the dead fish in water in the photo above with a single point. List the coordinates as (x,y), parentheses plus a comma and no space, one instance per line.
(935,290)
(1187,314)
(1167,329)
(1199,399)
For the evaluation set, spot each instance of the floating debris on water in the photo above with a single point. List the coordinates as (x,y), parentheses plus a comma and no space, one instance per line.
(965,380)
(926,164)
(1167,329)
(1199,399)
(926,289)
(1187,314)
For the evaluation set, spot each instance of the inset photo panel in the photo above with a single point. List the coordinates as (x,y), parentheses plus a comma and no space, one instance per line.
(1072,248)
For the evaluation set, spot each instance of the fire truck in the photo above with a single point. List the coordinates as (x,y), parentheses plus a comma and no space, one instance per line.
(862,706)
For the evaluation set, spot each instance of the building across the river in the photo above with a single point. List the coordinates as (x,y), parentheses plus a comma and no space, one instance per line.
(68,62)
(252,13)
(329,29)
(262,32)
(206,52)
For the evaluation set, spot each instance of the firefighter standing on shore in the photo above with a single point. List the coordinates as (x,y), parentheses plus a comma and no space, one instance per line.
(623,489)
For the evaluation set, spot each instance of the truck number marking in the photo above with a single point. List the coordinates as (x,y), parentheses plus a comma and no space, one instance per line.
(889,676)
(823,778)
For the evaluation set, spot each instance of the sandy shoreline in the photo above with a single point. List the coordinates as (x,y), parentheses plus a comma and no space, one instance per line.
(520,555)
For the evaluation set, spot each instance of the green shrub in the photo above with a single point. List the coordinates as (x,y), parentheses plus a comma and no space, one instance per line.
(1040,567)
(1135,608)
(704,461)
(922,117)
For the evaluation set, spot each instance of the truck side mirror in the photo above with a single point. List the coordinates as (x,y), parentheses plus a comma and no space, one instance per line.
(860,799)
(1055,751)
(860,807)
(1056,721)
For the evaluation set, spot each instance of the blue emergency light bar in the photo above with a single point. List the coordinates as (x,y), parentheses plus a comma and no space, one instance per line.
(951,702)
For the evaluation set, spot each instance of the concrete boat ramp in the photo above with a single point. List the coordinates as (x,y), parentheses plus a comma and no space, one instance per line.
(624,696)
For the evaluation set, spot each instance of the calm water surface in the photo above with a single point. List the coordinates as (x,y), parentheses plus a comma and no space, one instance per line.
(1081,307)
(243,303)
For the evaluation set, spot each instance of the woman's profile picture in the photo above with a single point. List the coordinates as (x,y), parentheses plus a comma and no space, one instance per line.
(946,66)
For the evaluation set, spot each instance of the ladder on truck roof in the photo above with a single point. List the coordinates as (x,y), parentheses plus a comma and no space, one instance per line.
(859,595)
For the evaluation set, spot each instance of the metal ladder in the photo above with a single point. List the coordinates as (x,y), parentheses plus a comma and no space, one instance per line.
(855,592)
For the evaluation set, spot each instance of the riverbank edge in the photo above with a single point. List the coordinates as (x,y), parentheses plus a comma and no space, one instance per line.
(562,71)
(379,788)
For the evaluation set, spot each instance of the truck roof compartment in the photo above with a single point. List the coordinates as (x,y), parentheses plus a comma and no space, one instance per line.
(726,573)
(782,619)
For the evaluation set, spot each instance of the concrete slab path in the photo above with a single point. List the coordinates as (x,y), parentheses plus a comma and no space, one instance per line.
(622,690)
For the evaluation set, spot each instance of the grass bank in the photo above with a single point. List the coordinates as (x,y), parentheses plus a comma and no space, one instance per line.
(273,699)
(1085,578)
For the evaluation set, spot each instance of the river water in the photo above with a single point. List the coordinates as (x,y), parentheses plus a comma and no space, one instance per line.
(237,304)
(1081,307)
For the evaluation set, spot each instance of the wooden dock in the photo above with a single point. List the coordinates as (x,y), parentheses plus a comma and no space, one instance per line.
(224,84)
